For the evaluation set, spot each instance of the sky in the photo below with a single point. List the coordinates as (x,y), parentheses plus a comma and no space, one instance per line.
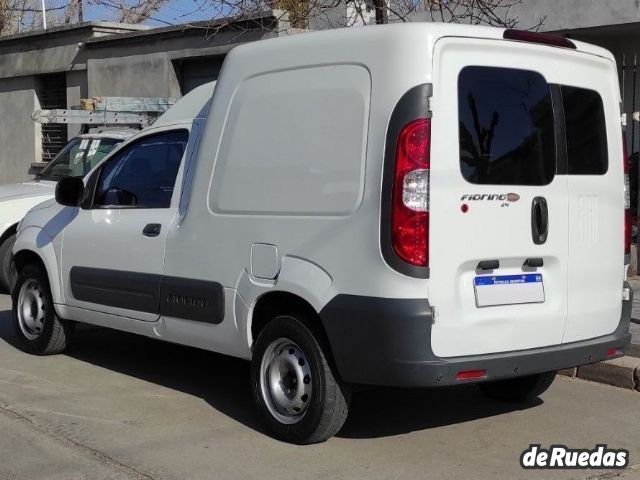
(172,13)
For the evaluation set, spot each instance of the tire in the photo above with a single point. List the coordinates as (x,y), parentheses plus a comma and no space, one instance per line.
(517,390)
(287,345)
(38,328)
(7,274)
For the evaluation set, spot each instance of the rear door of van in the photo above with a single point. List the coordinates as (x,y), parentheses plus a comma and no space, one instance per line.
(526,207)
(499,212)
(590,97)
(527,200)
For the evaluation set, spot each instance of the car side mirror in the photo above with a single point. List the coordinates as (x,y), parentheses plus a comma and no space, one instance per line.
(70,191)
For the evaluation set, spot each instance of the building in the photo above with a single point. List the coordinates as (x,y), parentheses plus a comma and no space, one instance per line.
(57,67)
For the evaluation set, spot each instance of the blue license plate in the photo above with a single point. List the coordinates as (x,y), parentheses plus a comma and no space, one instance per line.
(495,290)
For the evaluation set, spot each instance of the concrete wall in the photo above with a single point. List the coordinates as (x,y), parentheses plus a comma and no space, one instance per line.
(144,65)
(77,88)
(569,14)
(557,14)
(142,76)
(35,57)
(99,60)
(53,50)
(22,58)
(19,135)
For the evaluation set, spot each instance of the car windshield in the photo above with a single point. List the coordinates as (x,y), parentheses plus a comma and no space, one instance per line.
(78,157)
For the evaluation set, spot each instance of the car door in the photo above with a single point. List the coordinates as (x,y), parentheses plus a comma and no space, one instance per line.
(498,209)
(590,98)
(113,250)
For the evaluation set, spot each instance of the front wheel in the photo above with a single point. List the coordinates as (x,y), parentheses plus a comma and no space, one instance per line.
(522,389)
(36,323)
(294,385)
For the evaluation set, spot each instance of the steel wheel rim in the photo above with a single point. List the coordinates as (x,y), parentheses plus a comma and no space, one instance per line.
(285,380)
(30,309)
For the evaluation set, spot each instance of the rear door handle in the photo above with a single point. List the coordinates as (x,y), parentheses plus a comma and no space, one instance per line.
(533,262)
(152,230)
(539,220)
(485,265)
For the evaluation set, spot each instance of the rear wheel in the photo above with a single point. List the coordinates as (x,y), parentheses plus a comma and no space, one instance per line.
(520,389)
(7,273)
(36,324)
(294,385)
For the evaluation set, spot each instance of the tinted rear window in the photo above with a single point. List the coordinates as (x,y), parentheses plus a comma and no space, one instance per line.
(506,127)
(586,131)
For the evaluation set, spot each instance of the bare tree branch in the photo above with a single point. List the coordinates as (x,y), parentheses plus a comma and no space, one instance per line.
(130,11)
(21,15)
(346,13)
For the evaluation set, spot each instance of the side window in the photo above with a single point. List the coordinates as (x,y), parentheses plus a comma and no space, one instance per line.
(144,174)
(99,149)
(586,131)
(506,127)
(76,159)
(67,163)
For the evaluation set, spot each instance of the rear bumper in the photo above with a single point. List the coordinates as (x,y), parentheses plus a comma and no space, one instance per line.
(378,341)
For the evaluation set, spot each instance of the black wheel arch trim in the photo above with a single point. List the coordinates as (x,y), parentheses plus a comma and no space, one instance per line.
(12,230)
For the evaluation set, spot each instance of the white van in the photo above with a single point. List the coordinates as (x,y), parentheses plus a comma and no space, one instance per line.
(409,205)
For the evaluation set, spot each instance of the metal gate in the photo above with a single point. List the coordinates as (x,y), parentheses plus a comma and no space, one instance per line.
(52,94)
(198,71)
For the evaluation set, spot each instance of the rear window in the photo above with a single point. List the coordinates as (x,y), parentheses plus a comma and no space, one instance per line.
(506,127)
(586,131)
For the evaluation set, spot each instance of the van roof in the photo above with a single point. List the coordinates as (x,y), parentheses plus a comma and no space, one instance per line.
(398,32)
(195,105)
(192,106)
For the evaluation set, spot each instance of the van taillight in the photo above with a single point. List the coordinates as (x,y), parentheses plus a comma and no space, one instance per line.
(410,214)
(627,199)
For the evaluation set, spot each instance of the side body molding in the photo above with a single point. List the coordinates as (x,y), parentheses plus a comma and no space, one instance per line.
(183,298)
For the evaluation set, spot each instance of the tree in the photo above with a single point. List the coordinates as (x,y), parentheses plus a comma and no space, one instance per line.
(345,13)
(24,15)
(19,15)
(131,11)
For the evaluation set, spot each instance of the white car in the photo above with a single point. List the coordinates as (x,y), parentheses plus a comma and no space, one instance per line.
(80,155)
(415,205)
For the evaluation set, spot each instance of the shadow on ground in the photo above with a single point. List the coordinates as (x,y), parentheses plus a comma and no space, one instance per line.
(223,382)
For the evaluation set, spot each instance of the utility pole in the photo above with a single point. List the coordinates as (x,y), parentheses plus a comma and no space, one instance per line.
(44,15)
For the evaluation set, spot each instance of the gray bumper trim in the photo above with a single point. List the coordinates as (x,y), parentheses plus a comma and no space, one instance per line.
(381,341)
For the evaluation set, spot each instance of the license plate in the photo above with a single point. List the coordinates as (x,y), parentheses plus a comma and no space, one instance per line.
(494,290)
